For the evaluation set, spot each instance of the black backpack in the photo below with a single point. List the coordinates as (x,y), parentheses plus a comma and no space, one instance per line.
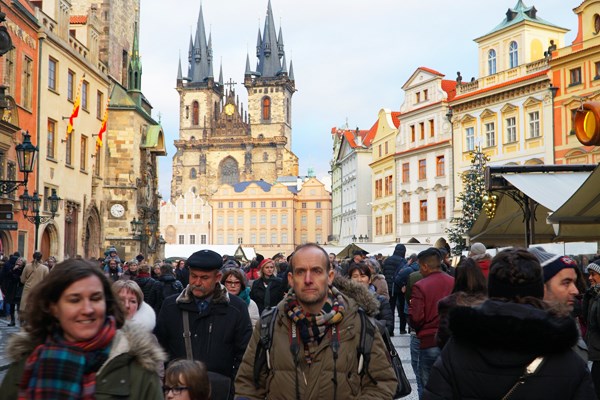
(171,288)
(267,324)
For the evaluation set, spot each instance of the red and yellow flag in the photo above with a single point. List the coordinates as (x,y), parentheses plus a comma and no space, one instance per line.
(75,111)
(102,127)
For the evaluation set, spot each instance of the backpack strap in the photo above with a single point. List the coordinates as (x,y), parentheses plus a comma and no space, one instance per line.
(187,335)
(262,355)
(367,337)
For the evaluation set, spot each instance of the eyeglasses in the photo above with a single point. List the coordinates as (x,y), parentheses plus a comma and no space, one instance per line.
(232,283)
(176,390)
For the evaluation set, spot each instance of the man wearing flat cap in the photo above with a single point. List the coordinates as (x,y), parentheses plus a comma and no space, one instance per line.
(218,326)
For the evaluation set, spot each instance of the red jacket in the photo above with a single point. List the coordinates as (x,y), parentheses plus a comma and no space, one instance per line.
(423,309)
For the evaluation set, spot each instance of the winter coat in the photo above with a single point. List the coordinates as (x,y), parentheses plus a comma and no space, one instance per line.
(220,333)
(258,291)
(33,274)
(170,285)
(11,281)
(152,291)
(448,303)
(492,344)
(401,278)
(385,314)
(315,382)
(113,274)
(591,307)
(484,261)
(392,265)
(380,285)
(423,309)
(129,373)
(183,275)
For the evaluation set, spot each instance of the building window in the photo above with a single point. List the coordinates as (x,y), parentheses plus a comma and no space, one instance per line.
(440,166)
(70,85)
(27,83)
(273,219)
(192,239)
(573,114)
(534,124)
(202,239)
(273,204)
(378,188)
(418,97)
(97,160)
(441,208)
(284,204)
(386,147)
(230,219)
(99,105)
(425,94)
(389,185)
(405,172)
(263,219)
(51,140)
(69,150)
(412,133)
(252,204)
(406,212)
(491,62)
(240,220)
(431,128)
(266,108)
(9,72)
(379,150)
(303,219)
(83,153)
(195,113)
(230,204)
(193,173)
(318,204)
(421,130)
(378,225)
(181,239)
(575,75)
(597,66)
(284,219)
(263,204)
(423,210)
(470,138)
(318,220)
(513,54)
(273,238)
(389,224)
(284,238)
(240,204)
(52,68)
(511,130)
(84,95)
(303,205)
(490,134)
(422,169)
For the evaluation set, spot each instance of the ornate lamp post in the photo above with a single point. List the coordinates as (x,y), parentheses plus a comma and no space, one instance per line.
(26,153)
(33,203)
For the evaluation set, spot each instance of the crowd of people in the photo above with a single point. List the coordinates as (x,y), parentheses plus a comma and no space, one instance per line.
(521,325)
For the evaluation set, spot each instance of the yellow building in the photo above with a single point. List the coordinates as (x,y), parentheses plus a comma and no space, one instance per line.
(70,71)
(271,218)
(507,112)
(383,203)
(576,75)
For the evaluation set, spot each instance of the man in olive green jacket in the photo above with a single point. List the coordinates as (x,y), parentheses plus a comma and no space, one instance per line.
(313,316)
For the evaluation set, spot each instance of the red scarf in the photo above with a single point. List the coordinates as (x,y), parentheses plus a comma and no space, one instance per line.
(58,369)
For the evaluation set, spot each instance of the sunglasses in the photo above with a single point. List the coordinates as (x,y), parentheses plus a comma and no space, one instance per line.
(176,389)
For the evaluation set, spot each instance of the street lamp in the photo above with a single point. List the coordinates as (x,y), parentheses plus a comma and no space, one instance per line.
(26,153)
(353,238)
(33,203)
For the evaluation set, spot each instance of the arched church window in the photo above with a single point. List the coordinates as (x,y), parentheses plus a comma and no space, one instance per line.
(229,171)
(193,173)
(265,156)
(287,110)
(194,189)
(195,113)
(266,108)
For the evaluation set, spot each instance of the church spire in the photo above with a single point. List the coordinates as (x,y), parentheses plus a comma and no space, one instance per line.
(134,81)
(291,74)
(248,71)
(221,74)
(179,73)
(200,53)
(269,50)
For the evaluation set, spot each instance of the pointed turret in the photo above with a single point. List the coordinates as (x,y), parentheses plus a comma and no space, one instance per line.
(258,44)
(191,52)
(134,81)
(270,50)
(280,43)
(291,73)
(283,66)
(221,75)
(179,73)
(201,53)
(248,71)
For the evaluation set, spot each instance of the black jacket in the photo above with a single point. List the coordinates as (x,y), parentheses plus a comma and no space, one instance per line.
(258,291)
(220,333)
(591,308)
(392,265)
(152,291)
(494,342)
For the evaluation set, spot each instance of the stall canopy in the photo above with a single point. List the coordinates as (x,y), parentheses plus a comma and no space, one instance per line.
(185,250)
(508,226)
(579,215)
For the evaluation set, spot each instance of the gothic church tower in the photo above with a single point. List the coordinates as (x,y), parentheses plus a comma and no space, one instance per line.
(218,141)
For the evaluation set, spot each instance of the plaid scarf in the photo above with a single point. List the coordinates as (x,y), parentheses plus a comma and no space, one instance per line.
(313,328)
(58,369)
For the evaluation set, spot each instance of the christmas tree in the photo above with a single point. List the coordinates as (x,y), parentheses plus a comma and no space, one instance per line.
(471,198)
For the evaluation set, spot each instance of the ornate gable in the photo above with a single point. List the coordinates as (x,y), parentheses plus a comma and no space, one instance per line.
(230,121)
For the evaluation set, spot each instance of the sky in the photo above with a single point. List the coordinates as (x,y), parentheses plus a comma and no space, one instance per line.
(351,58)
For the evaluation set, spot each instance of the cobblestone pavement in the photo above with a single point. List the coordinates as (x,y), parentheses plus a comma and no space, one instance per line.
(402,343)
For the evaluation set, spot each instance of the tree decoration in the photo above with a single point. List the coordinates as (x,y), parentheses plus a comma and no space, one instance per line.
(471,198)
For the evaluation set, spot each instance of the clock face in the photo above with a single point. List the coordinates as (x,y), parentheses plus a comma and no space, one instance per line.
(229,109)
(117,210)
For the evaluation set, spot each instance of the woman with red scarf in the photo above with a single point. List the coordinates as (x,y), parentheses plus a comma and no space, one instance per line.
(75,344)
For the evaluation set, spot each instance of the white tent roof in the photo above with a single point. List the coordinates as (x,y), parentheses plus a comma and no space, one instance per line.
(186,250)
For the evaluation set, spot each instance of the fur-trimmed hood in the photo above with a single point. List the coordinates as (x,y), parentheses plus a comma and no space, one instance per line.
(359,293)
(220,295)
(130,339)
(145,318)
(505,327)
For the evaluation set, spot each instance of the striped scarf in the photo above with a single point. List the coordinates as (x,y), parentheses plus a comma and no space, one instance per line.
(312,328)
(58,369)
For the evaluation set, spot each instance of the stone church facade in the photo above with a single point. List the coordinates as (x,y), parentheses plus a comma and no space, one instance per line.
(220,142)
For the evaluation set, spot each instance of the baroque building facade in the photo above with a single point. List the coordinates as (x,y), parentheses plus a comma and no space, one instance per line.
(221,143)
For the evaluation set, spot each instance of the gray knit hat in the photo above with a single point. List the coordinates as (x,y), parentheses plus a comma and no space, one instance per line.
(552,264)
(594,267)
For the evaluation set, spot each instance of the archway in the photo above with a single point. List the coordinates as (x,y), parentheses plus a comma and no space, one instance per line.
(49,244)
(92,244)
(6,245)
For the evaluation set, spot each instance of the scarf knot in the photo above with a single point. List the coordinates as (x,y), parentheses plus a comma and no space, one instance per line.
(61,369)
